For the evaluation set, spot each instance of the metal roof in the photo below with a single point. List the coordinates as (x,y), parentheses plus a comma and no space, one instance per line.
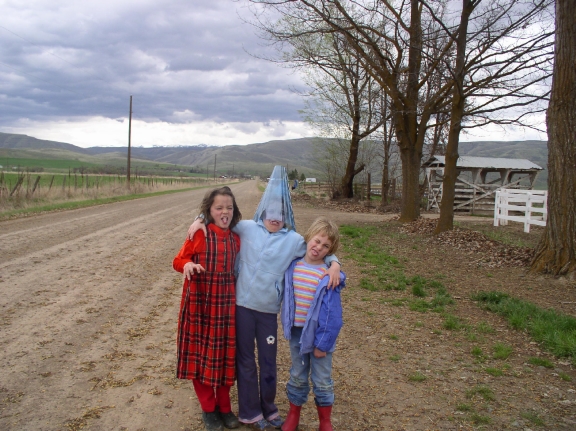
(487,163)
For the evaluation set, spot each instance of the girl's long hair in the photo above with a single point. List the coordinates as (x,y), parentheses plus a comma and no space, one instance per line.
(209,200)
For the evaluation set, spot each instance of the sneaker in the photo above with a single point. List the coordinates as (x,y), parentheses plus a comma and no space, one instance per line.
(276,422)
(262,424)
(229,420)
(212,421)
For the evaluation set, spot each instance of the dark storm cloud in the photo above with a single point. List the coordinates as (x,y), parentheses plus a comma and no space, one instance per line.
(87,58)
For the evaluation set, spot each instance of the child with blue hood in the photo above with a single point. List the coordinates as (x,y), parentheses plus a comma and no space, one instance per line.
(269,243)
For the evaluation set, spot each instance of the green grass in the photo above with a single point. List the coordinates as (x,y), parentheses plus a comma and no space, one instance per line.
(381,271)
(83,204)
(565,377)
(483,391)
(502,351)
(479,419)
(463,407)
(533,418)
(485,328)
(478,354)
(493,371)
(417,377)
(556,332)
(394,358)
(452,323)
(540,362)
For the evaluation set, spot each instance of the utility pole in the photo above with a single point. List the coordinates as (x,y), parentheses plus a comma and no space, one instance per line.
(129,143)
(215,167)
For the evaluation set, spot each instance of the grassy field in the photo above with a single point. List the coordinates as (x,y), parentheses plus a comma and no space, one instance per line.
(25,193)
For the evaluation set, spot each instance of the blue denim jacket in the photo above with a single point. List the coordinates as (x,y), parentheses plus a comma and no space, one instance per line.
(324,319)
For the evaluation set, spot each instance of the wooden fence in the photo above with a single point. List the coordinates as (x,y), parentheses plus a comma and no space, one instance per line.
(518,205)
(360,189)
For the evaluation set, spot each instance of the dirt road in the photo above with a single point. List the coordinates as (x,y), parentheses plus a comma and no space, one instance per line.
(88,315)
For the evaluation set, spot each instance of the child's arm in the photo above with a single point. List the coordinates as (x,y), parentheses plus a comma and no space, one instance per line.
(197,225)
(333,272)
(183,261)
(319,353)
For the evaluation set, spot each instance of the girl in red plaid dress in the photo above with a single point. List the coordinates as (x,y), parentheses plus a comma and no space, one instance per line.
(206,327)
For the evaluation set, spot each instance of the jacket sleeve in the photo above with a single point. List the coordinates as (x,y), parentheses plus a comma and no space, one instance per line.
(329,321)
(189,249)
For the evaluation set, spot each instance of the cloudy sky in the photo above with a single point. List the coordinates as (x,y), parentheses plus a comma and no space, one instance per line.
(69,67)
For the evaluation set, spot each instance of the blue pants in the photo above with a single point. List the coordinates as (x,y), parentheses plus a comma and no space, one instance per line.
(256,395)
(319,370)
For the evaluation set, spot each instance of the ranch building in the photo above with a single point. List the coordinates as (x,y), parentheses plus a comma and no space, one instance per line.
(477,181)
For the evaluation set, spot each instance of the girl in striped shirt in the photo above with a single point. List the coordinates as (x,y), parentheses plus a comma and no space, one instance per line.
(311,319)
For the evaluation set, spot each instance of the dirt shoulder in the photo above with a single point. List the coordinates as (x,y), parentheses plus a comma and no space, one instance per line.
(89,312)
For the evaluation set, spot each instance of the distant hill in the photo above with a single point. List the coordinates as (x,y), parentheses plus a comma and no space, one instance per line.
(258,159)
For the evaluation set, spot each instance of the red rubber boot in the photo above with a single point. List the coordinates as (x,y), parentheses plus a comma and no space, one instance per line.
(293,418)
(324,416)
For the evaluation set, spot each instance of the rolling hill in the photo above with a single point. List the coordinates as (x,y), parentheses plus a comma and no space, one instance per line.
(253,159)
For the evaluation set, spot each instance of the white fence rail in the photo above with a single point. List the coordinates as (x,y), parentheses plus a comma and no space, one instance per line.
(521,201)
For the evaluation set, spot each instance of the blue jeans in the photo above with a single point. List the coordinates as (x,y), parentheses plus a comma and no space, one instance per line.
(319,370)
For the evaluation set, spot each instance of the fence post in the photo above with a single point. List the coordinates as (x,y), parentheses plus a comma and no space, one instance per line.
(528,213)
(496,208)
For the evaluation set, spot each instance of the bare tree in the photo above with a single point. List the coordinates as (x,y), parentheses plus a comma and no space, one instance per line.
(556,252)
(498,66)
(343,95)
(406,45)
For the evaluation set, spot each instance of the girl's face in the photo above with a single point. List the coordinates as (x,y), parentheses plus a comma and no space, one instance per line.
(317,249)
(273,226)
(222,211)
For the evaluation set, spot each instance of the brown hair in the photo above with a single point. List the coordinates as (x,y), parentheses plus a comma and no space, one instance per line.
(209,200)
(324,226)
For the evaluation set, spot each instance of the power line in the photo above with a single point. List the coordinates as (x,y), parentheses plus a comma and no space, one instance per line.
(35,44)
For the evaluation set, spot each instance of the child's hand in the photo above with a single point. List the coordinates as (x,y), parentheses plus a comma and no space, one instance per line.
(319,353)
(192,267)
(334,274)
(198,224)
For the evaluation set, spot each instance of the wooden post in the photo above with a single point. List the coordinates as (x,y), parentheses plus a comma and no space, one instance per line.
(129,143)
(35,184)
(368,188)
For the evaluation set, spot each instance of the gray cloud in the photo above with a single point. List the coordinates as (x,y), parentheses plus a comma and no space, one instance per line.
(86,58)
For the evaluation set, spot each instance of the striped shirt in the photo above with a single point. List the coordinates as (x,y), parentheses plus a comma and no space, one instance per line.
(305,279)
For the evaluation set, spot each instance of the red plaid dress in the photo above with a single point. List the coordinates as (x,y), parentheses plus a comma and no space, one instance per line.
(207,328)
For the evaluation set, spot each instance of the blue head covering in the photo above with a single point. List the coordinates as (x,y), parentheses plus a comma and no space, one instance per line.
(276,203)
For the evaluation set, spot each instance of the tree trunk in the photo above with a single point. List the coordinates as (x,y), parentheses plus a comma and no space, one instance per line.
(410,203)
(385,174)
(446,220)
(555,254)
(346,186)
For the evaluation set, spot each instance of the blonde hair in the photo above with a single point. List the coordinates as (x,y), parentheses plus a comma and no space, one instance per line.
(324,226)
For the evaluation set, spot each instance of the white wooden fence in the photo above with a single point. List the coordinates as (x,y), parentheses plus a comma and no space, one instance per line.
(521,201)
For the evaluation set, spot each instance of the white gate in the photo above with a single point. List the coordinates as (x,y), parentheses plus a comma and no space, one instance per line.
(521,201)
